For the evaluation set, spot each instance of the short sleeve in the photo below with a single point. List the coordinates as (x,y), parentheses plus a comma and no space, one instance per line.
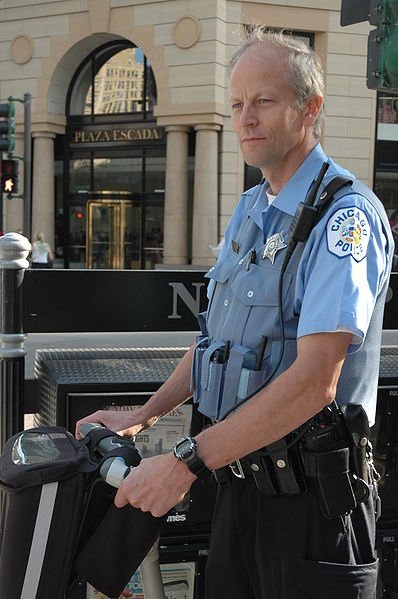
(342,270)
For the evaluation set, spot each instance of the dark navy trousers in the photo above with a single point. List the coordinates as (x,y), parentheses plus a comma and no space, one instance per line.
(284,548)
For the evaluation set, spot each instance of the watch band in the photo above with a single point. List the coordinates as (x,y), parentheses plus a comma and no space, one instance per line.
(199,468)
(185,451)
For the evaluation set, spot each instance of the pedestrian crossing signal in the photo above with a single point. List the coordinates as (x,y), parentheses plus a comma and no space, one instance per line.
(9,176)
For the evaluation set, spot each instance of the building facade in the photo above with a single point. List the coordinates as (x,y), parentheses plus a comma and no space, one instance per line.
(134,161)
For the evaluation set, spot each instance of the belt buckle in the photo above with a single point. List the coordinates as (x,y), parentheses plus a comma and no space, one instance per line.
(237,469)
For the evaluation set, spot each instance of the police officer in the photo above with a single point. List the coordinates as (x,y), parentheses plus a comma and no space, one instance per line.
(291,520)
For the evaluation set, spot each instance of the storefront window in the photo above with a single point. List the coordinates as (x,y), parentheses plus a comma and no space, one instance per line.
(119,84)
(114,80)
(155,174)
(153,237)
(79,175)
(387,115)
(118,174)
(59,209)
(386,160)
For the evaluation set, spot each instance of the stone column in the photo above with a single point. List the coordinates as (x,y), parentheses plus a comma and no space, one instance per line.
(205,202)
(176,196)
(43,186)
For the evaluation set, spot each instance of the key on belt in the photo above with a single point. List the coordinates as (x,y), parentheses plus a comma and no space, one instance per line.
(237,469)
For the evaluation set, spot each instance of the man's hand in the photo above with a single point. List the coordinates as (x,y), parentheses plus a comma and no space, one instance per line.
(156,485)
(128,423)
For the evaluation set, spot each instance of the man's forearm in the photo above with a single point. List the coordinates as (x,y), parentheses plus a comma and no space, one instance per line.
(172,393)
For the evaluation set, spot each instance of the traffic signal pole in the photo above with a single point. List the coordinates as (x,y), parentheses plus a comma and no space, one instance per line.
(27,214)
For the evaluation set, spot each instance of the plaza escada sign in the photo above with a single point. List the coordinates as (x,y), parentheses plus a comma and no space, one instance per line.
(116,135)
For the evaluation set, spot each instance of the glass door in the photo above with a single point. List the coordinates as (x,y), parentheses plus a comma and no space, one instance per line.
(103,234)
(113,234)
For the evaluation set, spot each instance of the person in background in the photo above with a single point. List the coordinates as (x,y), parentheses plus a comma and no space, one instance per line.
(287,363)
(42,256)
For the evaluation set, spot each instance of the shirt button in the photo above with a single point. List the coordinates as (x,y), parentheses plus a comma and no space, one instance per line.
(241,261)
(250,293)
(226,302)
(212,268)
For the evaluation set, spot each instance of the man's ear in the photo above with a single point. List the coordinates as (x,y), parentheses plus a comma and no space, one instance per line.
(312,109)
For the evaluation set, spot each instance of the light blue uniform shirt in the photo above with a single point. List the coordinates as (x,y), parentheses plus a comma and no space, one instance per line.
(336,281)
(334,291)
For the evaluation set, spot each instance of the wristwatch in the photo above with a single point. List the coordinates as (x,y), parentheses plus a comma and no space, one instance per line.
(185,451)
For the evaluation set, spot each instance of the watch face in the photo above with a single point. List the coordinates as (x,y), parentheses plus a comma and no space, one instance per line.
(185,449)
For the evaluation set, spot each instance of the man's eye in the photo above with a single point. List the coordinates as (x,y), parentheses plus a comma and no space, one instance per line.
(236,105)
(264,101)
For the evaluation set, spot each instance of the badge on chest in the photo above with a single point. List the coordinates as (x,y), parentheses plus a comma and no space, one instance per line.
(273,244)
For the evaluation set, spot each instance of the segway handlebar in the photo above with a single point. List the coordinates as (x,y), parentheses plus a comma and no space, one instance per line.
(113,469)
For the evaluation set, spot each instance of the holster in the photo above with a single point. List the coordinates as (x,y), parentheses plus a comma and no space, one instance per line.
(331,472)
(357,425)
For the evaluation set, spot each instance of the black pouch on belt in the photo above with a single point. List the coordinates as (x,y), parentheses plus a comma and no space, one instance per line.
(287,468)
(330,469)
(358,428)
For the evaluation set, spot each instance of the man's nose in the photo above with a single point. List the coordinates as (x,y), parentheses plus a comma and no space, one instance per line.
(248,117)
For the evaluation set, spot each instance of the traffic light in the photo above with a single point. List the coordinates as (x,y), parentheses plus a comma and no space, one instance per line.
(7,127)
(9,176)
(382,70)
(383,46)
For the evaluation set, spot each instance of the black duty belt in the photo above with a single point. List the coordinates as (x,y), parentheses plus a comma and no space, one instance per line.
(326,462)
(276,469)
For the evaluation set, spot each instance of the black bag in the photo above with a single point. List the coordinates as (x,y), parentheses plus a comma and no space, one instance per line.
(59,526)
(44,473)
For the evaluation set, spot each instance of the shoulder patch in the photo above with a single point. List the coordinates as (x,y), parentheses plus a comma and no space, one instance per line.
(348,233)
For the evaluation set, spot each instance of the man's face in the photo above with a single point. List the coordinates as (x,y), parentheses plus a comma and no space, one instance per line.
(265,117)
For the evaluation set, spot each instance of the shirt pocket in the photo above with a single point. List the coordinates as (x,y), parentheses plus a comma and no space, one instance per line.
(259,285)
(256,293)
(222,269)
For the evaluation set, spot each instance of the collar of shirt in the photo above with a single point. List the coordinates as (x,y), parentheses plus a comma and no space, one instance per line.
(260,204)
(293,192)
(296,189)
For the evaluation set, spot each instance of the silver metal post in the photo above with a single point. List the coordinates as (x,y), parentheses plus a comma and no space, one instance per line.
(14,250)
